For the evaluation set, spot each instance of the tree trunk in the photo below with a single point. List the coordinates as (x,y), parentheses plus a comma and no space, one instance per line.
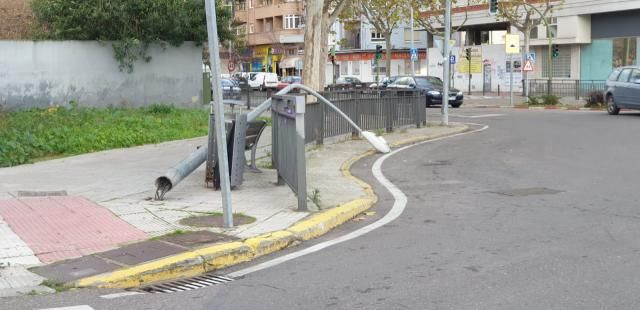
(388,52)
(324,49)
(312,45)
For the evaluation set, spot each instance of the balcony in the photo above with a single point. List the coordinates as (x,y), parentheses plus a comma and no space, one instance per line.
(241,16)
(277,9)
(274,37)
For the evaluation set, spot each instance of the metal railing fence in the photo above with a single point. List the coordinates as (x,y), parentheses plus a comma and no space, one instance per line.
(565,88)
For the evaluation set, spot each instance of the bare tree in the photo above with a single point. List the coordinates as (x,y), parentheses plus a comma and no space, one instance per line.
(525,15)
(429,14)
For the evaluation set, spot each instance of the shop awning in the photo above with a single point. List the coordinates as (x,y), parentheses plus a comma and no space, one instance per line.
(289,62)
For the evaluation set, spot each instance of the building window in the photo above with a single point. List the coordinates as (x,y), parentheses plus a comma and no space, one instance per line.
(624,52)
(292,51)
(344,68)
(267,2)
(356,67)
(292,21)
(534,29)
(561,65)
(381,68)
(376,36)
(268,26)
(250,4)
(251,28)
(407,35)
(552,30)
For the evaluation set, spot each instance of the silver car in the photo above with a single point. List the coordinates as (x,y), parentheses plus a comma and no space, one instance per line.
(623,90)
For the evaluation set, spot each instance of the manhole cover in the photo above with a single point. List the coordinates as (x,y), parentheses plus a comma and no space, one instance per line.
(522,192)
(438,163)
(215,220)
(41,193)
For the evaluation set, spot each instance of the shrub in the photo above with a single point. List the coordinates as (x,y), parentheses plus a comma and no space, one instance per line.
(533,100)
(595,100)
(550,100)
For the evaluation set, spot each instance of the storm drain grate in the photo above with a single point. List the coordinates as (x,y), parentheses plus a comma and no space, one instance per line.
(185,284)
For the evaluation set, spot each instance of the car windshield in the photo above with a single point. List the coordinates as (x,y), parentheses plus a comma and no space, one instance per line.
(295,79)
(429,81)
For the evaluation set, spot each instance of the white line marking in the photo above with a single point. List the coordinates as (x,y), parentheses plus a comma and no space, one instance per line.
(118,295)
(476,116)
(81,307)
(397,209)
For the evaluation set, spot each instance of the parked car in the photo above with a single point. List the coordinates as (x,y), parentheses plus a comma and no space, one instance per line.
(384,83)
(350,81)
(623,90)
(263,80)
(230,89)
(288,80)
(431,87)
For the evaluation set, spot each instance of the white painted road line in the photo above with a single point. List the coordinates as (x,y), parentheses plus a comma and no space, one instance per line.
(118,295)
(81,307)
(476,116)
(397,209)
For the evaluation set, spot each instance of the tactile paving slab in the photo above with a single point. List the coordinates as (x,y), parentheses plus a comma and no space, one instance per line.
(58,228)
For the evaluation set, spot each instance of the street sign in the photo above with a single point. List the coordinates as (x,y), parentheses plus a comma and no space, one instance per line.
(531,56)
(414,54)
(231,66)
(512,44)
(527,66)
(438,41)
(452,59)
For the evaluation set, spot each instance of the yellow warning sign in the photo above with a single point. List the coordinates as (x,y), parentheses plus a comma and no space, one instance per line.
(512,44)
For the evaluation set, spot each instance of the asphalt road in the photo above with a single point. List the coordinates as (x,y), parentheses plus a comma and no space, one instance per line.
(539,211)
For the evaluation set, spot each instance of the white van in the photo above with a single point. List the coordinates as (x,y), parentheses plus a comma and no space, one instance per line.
(263,80)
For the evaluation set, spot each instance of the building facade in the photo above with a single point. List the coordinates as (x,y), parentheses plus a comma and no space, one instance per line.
(274,36)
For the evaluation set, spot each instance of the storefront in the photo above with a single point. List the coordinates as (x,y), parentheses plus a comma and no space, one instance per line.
(614,43)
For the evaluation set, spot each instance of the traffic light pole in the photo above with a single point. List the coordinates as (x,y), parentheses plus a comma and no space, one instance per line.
(447,59)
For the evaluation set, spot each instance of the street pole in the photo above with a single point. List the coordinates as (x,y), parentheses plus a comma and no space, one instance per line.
(447,59)
(511,79)
(217,107)
(413,68)
(426,52)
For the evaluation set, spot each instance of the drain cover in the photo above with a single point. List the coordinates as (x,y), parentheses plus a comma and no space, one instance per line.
(438,163)
(522,192)
(41,193)
(189,284)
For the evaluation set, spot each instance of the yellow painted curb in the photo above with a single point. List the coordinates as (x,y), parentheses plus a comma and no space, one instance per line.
(223,255)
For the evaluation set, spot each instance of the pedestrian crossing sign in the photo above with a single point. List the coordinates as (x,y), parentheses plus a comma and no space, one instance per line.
(527,66)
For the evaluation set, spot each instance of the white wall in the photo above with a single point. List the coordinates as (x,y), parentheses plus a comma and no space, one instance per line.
(45,73)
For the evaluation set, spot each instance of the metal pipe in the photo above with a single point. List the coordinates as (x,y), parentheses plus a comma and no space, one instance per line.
(177,173)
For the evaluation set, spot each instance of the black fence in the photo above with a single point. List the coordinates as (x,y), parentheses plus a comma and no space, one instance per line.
(369,109)
(565,88)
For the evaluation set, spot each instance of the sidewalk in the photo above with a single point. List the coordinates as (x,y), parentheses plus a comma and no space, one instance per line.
(108,206)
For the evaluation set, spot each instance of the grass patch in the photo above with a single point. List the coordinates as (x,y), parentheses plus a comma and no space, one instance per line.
(31,135)
(177,232)
(58,287)
(266,119)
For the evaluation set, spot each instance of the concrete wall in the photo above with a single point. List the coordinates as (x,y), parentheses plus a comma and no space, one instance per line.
(45,73)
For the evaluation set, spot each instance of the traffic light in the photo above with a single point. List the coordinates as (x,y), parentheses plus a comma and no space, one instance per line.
(468,53)
(556,50)
(378,51)
(333,59)
(493,6)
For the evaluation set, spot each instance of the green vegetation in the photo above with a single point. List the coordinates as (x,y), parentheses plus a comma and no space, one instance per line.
(266,119)
(548,100)
(315,197)
(26,136)
(58,287)
(132,24)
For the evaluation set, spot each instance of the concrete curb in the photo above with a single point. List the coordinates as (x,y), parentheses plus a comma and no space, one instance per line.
(217,256)
(520,107)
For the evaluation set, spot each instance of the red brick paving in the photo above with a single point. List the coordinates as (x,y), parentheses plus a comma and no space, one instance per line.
(57,228)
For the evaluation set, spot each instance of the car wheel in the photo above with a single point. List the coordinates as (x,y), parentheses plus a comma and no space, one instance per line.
(612,108)
(456,105)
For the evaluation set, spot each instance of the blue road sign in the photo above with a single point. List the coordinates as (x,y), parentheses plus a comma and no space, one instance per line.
(452,59)
(413,51)
(532,56)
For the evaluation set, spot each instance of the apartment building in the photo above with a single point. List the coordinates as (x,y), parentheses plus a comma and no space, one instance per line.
(593,37)
(274,35)
(355,43)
